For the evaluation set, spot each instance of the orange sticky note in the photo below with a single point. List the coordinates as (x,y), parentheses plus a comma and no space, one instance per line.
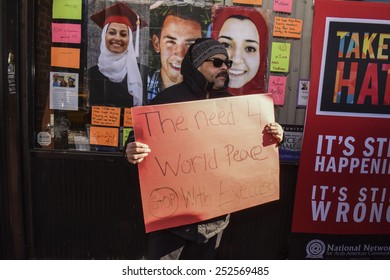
(287,27)
(253,2)
(65,57)
(128,118)
(106,116)
(104,136)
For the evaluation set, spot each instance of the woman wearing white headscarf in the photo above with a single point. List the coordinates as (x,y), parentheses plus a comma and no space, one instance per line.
(116,79)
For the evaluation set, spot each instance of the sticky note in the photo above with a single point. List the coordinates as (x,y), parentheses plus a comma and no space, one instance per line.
(253,2)
(126,132)
(284,6)
(280,57)
(128,118)
(65,57)
(106,116)
(67,9)
(277,87)
(66,33)
(287,27)
(104,136)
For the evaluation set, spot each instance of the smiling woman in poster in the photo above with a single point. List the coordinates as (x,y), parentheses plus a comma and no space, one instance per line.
(244,33)
(116,79)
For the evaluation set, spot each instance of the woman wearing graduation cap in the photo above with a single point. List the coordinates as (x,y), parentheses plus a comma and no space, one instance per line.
(116,79)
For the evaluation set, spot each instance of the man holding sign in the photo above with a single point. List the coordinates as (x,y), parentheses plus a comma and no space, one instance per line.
(205,76)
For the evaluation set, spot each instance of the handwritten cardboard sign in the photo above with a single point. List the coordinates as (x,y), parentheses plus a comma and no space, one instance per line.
(287,27)
(106,116)
(280,57)
(66,33)
(104,136)
(208,158)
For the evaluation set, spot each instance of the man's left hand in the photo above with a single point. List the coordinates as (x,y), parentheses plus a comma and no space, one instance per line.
(275,130)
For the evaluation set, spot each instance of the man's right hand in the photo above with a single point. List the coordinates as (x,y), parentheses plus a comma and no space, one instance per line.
(136,152)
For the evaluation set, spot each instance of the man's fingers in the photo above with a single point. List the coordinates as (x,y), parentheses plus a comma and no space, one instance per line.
(136,152)
(137,148)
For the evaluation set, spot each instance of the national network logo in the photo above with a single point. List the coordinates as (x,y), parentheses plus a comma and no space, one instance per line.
(315,249)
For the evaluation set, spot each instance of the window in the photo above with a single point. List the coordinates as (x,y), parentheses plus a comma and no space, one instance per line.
(81,100)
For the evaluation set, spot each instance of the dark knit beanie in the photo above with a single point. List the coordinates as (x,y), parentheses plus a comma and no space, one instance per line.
(204,48)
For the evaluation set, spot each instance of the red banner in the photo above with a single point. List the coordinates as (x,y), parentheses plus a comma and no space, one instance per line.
(343,182)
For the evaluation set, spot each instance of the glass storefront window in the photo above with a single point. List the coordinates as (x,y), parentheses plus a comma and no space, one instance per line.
(94,60)
(61,109)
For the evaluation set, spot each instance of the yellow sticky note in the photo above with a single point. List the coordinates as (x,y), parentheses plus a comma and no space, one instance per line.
(67,9)
(126,132)
(280,57)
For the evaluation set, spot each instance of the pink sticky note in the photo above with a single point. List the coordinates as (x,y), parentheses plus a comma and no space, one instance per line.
(284,6)
(66,33)
(277,87)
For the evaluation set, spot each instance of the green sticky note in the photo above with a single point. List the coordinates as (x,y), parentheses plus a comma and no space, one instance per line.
(280,57)
(126,132)
(67,9)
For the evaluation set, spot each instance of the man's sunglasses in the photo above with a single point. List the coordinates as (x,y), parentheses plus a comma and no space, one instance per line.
(217,62)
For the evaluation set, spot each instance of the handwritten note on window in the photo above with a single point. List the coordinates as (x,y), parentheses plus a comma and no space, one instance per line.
(280,57)
(69,9)
(284,6)
(65,57)
(66,33)
(208,158)
(104,136)
(127,118)
(126,132)
(287,27)
(106,116)
(277,87)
